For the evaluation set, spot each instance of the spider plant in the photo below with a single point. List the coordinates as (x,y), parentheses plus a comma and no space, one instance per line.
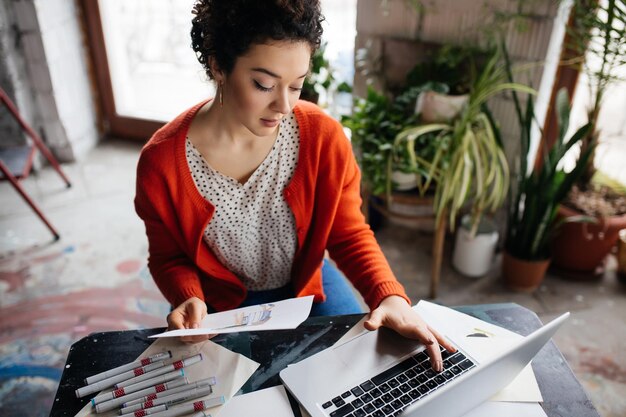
(469,165)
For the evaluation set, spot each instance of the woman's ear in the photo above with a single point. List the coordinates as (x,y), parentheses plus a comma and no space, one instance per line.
(216,72)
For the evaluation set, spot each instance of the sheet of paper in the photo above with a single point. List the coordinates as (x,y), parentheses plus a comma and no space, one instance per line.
(231,369)
(508,409)
(523,388)
(354,331)
(269,402)
(494,409)
(286,314)
(459,325)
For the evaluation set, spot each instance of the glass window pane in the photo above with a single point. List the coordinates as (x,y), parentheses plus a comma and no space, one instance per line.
(154,72)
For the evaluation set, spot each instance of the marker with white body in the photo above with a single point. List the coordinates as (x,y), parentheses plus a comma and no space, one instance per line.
(143,413)
(172,367)
(141,394)
(198,384)
(159,379)
(110,381)
(190,393)
(128,367)
(201,414)
(181,410)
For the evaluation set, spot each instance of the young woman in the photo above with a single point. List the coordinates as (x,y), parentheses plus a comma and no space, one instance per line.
(243,194)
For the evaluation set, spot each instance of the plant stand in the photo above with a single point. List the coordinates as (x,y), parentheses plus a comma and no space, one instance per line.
(418,219)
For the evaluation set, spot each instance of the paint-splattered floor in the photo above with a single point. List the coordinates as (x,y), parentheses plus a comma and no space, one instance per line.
(95,279)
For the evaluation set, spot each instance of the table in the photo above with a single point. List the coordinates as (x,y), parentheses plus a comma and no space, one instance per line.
(562,393)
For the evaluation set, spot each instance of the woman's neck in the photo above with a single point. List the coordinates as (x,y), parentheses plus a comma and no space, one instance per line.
(216,124)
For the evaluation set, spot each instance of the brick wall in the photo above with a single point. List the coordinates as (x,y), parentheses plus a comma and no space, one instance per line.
(51,74)
(394,33)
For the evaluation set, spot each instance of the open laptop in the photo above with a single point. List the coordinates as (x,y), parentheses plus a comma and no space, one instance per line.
(382,374)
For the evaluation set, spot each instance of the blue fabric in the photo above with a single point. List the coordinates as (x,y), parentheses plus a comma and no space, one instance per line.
(340,298)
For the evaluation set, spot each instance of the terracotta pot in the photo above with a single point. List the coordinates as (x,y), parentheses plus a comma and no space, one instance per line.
(522,275)
(621,256)
(583,246)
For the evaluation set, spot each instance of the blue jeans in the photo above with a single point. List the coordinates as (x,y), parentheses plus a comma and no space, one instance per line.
(340,298)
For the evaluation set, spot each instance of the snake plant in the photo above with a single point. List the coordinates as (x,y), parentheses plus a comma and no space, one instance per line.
(536,193)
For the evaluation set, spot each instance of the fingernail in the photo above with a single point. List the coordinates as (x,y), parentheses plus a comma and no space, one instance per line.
(195,326)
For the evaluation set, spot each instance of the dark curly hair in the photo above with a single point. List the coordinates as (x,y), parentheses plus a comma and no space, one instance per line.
(226,29)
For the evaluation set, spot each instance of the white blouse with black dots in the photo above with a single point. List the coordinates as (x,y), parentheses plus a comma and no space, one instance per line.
(253,230)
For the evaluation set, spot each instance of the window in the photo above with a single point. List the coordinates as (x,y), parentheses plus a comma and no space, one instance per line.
(147,71)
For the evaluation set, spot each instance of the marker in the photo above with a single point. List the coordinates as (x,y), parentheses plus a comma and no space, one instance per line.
(128,367)
(172,367)
(110,381)
(151,396)
(201,414)
(143,413)
(159,379)
(188,394)
(181,410)
(144,393)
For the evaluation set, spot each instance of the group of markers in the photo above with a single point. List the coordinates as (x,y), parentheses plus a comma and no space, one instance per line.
(152,386)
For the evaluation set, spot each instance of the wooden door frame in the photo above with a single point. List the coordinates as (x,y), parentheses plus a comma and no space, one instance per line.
(567,76)
(113,123)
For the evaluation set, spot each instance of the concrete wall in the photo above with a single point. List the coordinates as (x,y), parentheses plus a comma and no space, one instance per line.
(393,34)
(46,73)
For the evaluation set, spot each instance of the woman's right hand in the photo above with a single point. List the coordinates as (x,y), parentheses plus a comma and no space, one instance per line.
(188,315)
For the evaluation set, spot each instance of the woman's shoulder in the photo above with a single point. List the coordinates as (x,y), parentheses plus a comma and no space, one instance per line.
(312,113)
(315,122)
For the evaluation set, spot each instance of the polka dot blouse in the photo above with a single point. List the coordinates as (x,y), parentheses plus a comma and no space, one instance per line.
(252,231)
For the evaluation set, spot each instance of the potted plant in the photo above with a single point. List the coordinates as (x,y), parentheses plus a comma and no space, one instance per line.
(447,78)
(599,33)
(469,165)
(535,198)
(321,78)
(374,123)
(475,247)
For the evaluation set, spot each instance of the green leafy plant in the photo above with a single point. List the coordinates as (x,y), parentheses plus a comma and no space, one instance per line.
(374,123)
(321,77)
(598,31)
(469,165)
(455,66)
(536,194)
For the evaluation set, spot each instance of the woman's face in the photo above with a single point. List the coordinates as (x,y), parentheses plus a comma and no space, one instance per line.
(265,84)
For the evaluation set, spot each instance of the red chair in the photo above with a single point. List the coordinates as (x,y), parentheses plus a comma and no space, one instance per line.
(17,162)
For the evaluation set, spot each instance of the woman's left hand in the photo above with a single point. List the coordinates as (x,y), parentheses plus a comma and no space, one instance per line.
(395,313)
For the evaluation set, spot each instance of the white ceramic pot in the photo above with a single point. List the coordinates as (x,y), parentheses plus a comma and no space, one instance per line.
(403,181)
(435,107)
(473,255)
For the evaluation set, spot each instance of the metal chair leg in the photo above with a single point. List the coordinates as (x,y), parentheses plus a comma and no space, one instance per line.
(37,141)
(31,203)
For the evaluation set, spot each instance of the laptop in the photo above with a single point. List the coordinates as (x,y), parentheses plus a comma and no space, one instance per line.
(381,373)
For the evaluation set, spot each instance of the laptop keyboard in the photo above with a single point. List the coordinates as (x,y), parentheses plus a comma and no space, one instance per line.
(394,389)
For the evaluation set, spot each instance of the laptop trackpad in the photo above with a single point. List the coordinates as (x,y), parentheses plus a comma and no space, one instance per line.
(375,349)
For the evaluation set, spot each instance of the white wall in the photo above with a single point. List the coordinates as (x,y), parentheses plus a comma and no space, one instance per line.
(50,74)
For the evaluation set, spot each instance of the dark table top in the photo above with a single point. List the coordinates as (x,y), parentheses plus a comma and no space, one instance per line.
(274,350)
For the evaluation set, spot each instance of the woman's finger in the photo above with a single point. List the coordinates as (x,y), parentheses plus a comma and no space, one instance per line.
(443,341)
(194,313)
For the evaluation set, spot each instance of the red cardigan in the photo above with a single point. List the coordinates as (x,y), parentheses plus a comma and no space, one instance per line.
(323,195)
